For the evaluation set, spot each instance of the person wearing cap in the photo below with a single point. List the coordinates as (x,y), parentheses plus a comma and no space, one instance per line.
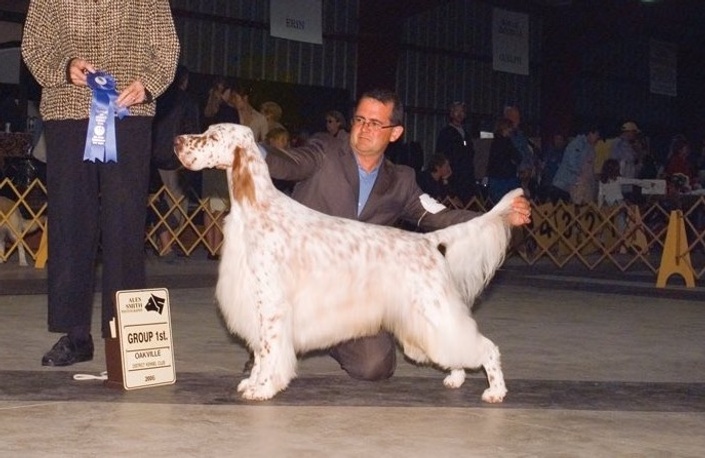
(455,144)
(623,150)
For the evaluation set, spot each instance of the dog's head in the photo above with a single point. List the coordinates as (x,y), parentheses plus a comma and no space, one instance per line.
(231,147)
(215,148)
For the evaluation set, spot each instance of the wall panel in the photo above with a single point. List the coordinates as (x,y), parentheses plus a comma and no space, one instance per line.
(447,56)
(231,38)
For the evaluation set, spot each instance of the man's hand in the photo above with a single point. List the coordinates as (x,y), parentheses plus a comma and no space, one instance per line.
(521,212)
(78,68)
(133,94)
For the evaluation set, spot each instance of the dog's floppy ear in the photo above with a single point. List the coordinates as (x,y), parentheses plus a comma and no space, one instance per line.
(243,183)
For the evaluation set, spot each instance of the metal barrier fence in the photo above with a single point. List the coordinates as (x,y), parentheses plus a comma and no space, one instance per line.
(623,236)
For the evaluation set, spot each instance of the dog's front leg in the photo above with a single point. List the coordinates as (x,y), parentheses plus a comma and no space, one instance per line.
(254,373)
(275,359)
(455,379)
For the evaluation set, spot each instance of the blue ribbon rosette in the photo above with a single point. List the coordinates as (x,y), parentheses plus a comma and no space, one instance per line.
(100,138)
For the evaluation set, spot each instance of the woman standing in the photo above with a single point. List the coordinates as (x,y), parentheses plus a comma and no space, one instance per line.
(96,199)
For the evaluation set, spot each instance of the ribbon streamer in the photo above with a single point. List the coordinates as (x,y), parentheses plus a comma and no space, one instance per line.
(100,138)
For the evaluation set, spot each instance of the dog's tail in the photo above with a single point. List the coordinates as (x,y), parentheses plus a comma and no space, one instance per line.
(475,249)
(29,226)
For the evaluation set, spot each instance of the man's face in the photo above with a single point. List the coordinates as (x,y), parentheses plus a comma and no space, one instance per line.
(513,115)
(457,114)
(445,170)
(366,141)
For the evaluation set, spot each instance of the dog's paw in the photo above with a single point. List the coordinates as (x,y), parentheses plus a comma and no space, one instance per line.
(259,392)
(244,384)
(494,395)
(455,379)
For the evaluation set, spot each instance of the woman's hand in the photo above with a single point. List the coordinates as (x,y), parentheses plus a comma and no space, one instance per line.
(133,94)
(78,69)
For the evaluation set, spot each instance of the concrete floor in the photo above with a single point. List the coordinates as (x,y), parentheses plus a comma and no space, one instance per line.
(595,367)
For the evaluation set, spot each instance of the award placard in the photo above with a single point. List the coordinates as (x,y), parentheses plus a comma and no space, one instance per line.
(140,352)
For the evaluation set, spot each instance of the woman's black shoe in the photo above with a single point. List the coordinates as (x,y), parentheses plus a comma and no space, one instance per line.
(65,352)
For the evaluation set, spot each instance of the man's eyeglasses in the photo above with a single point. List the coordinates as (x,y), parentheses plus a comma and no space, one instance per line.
(371,124)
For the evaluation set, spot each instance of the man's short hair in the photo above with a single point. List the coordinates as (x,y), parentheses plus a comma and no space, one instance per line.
(387,96)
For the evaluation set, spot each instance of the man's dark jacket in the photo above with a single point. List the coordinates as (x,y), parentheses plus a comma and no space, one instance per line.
(327,179)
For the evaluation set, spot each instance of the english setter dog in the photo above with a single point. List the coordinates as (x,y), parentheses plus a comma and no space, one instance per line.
(292,280)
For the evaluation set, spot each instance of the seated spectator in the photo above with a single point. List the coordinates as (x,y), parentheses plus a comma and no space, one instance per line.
(433,180)
(335,125)
(681,176)
(165,226)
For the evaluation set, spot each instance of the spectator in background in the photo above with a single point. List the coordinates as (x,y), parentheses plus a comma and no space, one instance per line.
(503,161)
(10,113)
(177,113)
(455,144)
(575,177)
(647,165)
(239,97)
(553,155)
(278,137)
(272,112)
(681,175)
(610,187)
(434,179)
(164,223)
(219,108)
(622,149)
(526,169)
(700,163)
(335,125)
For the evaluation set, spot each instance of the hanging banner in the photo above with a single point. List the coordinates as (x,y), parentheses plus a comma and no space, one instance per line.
(510,42)
(663,68)
(299,20)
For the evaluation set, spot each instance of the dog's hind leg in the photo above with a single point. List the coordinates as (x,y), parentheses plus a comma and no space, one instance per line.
(21,252)
(493,367)
(415,353)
